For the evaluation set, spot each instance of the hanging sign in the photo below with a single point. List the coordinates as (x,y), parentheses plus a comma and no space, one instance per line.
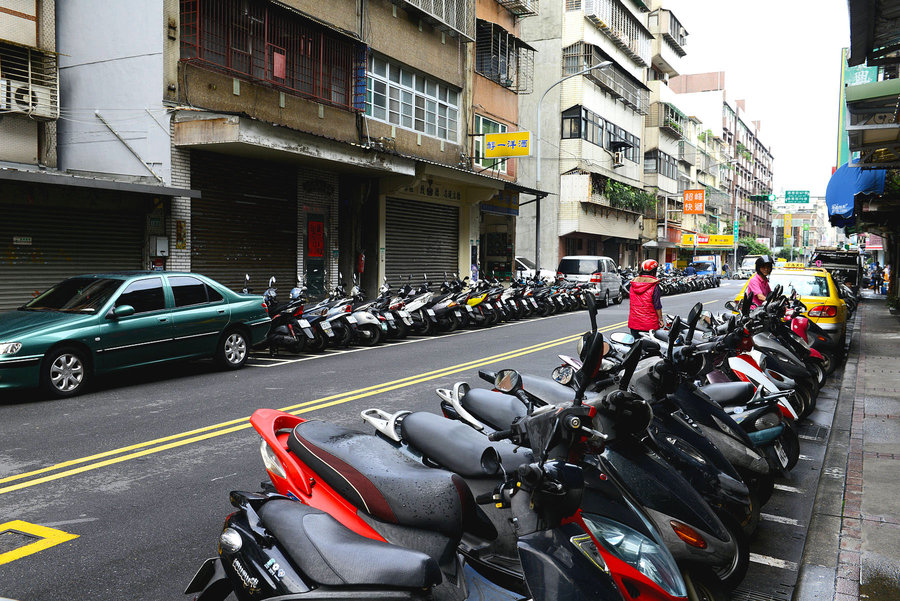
(512,144)
(694,202)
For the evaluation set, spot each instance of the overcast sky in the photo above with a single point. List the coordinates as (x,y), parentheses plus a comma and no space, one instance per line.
(783,57)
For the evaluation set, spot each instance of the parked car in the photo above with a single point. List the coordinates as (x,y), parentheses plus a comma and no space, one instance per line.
(601,272)
(817,291)
(93,324)
(747,268)
(525,269)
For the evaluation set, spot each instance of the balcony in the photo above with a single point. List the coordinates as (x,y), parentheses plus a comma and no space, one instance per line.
(503,58)
(668,118)
(630,91)
(687,152)
(620,26)
(520,8)
(454,16)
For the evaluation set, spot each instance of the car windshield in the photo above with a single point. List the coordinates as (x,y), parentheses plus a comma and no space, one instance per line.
(836,259)
(526,262)
(75,295)
(704,266)
(805,285)
(579,266)
(749,263)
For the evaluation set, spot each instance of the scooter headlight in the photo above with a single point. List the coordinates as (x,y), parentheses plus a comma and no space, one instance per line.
(270,460)
(643,554)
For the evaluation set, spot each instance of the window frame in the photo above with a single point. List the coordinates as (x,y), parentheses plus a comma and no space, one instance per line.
(498,165)
(162,291)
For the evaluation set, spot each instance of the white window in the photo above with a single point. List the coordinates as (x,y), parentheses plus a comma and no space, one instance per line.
(411,101)
(483,125)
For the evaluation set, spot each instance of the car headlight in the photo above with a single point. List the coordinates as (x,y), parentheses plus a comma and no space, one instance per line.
(10,348)
(648,557)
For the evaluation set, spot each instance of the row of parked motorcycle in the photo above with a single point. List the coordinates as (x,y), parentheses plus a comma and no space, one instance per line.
(636,470)
(342,319)
(676,282)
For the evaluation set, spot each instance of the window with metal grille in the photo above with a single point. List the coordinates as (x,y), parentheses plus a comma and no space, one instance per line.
(483,125)
(29,82)
(659,162)
(401,97)
(579,122)
(503,58)
(457,17)
(617,83)
(268,44)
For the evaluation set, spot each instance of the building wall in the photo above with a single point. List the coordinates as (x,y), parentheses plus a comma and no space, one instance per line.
(111,63)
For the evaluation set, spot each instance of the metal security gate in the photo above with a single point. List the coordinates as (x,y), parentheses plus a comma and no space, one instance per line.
(41,245)
(246,221)
(420,237)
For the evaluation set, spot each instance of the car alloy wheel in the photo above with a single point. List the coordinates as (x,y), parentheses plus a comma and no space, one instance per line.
(66,373)
(233,350)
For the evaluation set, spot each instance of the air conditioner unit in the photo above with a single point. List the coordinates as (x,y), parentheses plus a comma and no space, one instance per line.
(618,159)
(36,101)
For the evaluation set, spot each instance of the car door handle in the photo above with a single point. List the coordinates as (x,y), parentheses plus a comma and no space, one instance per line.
(221,311)
(163,319)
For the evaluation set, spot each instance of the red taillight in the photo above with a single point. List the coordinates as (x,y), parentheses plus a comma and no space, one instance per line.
(559,275)
(596,277)
(347,309)
(823,311)
(299,311)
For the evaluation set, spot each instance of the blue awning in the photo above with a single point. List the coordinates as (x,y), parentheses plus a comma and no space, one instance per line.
(843,187)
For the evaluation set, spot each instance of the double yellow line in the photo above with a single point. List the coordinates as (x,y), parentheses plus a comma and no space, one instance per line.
(100,460)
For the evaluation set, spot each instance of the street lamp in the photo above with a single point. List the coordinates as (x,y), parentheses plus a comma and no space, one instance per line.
(537,204)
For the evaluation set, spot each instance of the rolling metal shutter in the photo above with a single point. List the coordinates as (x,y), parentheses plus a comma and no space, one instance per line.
(246,221)
(420,237)
(65,241)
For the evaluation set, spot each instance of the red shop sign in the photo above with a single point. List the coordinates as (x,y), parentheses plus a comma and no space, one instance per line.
(315,245)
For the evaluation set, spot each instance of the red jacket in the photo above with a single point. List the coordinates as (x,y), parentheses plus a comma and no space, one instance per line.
(642,314)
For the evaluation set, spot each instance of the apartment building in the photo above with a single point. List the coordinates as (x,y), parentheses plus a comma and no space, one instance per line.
(750,162)
(591,124)
(316,139)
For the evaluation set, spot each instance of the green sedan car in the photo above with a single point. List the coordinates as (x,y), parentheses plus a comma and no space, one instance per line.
(99,323)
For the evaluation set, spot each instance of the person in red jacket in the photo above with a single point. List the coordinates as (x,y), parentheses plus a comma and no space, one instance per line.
(645,312)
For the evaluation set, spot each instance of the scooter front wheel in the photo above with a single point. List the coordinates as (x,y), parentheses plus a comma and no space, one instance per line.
(732,574)
(703,585)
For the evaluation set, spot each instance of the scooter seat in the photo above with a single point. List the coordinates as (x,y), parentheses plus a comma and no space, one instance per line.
(547,390)
(495,409)
(380,480)
(730,393)
(333,555)
(460,449)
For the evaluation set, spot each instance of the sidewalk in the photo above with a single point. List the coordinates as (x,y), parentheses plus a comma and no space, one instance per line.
(852,548)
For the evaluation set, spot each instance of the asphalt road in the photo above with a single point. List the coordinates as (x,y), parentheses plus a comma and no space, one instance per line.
(121,493)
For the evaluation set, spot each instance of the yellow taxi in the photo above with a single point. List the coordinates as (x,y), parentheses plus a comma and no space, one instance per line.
(816,290)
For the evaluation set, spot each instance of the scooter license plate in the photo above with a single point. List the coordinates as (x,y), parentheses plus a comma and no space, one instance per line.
(384,326)
(389,317)
(326,325)
(782,456)
(351,319)
(458,313)
(430,312)
(470,309)
(304,324)
(533,303)
(404,314)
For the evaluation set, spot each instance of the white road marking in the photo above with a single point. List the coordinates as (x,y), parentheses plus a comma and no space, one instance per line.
(774,562)
(785,488)
(777,518)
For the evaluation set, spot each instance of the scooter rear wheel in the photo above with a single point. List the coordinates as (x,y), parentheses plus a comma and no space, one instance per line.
(791,443)
(370,335)
(318,343)
(732,575)
(703,585)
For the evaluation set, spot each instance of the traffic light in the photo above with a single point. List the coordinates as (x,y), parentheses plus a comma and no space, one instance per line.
(762,197)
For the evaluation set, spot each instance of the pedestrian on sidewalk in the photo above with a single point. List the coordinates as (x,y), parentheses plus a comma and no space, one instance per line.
(758,286)
(877,277)
(645,300)
(725,270)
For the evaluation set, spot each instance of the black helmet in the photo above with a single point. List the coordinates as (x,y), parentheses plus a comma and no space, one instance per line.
(764,260)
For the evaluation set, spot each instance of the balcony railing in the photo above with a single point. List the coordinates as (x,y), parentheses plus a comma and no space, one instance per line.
(622,27)
(667,117)
(687,152)
(521,8)
(455,16)
(579,56)
(503,58)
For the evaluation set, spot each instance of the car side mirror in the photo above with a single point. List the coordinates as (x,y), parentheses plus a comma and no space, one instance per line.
(120,311)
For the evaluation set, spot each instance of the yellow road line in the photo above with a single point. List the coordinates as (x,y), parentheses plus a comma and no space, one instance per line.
(47,537)
(208,432)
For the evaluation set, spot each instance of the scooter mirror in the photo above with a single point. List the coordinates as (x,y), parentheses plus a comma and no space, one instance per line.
(272,282)
(622,338)
(592,309)
(732,306)
(508,381)
(591,365)
(246,277)
(673,334)
(693,318)
(746,303)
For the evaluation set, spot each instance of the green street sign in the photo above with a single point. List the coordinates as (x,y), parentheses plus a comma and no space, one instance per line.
(805,227)
(735,228)
(796,196)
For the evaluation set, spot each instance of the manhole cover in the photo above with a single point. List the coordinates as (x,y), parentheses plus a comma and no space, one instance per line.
(810,431)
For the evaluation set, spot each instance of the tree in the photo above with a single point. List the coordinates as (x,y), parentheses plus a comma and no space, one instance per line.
(753,247)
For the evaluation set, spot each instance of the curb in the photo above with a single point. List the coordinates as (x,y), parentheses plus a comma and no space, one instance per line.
(831,551)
